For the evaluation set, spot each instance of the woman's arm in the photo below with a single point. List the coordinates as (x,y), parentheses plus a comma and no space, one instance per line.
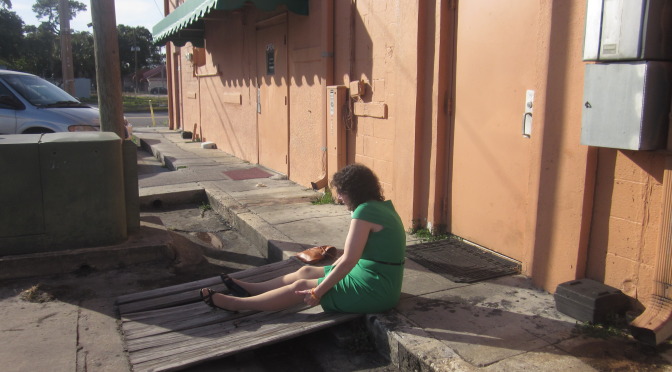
(354,246)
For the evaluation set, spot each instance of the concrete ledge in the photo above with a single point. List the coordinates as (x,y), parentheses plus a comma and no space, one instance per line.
(150,243)
(410,347)
(162,196)
(250,225)
(157,154)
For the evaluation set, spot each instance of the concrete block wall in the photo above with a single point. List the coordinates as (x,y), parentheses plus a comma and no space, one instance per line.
(626,221)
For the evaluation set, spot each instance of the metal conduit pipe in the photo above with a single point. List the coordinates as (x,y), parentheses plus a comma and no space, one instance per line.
(654,325)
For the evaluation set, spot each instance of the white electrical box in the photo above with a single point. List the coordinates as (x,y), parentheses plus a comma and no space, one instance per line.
(628,30)
(336,136)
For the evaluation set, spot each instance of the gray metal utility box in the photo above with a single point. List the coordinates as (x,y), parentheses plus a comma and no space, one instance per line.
(590,301)
(627,105)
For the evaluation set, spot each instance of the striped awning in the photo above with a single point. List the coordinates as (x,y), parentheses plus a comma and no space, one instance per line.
(185,23)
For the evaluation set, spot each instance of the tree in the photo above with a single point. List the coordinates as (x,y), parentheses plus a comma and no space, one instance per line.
(12,36)
(49,9)
(83,55)
(6,4)
(148,55)
(39,55)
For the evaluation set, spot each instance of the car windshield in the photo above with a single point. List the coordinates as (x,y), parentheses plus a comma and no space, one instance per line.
(40,92)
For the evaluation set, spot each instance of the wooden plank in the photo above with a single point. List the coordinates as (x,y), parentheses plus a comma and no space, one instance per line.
(188,292)
(248,275)
(215,323)
(165,301)
(182,321)
(171,328)
(216,349)
(154,293)
(372,109)
(210,344)
(231,97)
(235,330)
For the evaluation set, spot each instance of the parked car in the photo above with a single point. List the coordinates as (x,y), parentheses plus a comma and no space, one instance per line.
(158,90)
(30,104)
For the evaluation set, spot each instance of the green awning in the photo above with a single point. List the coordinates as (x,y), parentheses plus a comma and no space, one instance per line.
(185,23)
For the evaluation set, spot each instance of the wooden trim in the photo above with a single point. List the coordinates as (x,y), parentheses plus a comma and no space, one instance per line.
(216,73)
(275,20)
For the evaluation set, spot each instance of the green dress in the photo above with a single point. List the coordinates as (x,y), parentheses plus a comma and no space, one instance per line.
(374,284)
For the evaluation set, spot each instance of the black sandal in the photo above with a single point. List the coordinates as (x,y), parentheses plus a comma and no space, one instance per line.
(210,301)
(234,288)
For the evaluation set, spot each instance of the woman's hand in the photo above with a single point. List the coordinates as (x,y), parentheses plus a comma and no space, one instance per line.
(310,297)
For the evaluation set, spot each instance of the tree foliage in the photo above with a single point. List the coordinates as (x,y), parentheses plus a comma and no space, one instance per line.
(10,42)
(83,55)
(49,9)
(36,49)
(39,54)
(148,54)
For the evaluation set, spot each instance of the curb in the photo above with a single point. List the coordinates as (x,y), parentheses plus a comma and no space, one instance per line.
(150,243)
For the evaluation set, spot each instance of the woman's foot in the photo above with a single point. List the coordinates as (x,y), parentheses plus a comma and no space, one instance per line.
(234,288)
(207,295)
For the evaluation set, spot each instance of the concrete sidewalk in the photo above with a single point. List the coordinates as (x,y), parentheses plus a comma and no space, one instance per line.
(502,324)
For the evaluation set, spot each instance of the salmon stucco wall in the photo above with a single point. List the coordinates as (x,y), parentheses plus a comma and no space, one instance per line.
(308,80)
(626,221)
(228,94)
(562,175)
(384,58)
(190,95)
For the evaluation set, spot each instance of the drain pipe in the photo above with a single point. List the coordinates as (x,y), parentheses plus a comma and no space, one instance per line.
(654,325)
(328,14)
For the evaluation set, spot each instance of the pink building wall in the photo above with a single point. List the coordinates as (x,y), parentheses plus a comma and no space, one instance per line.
(587,212)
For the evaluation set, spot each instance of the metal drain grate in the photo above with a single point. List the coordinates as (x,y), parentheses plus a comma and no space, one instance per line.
(461,262)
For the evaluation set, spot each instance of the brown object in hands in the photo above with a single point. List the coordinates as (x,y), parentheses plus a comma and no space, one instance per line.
(316,254)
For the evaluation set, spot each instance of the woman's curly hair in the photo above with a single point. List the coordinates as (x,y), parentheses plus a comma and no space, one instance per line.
(359,183)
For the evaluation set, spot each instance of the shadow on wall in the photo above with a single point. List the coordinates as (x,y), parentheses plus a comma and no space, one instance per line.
(353,47)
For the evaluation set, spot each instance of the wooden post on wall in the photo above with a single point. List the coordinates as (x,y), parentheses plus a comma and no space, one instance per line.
(108,73)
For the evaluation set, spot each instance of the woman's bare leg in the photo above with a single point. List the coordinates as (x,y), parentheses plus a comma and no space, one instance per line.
(306,272)
(274,299)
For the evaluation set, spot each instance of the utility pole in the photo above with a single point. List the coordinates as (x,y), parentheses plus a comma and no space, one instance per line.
(135,49)
(108,73)
(66,47)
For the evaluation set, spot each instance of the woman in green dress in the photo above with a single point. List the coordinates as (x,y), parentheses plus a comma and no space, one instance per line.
(367,278)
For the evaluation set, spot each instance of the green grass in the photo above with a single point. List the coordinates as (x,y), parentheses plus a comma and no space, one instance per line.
(140,103)
(426,235)
(615,328)
(326,198)
(204,207)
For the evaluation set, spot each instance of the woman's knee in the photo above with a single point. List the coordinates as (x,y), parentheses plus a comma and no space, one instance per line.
(310,272)
(303,284)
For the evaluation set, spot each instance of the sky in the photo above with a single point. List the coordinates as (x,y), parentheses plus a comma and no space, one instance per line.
(133,13)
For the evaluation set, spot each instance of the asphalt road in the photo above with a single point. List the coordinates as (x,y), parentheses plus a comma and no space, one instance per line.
(144,119)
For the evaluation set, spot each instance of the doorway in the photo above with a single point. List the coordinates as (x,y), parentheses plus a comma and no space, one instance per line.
(273,97)
(494,67)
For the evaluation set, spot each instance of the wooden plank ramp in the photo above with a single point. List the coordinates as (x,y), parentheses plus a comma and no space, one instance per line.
(170,328)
